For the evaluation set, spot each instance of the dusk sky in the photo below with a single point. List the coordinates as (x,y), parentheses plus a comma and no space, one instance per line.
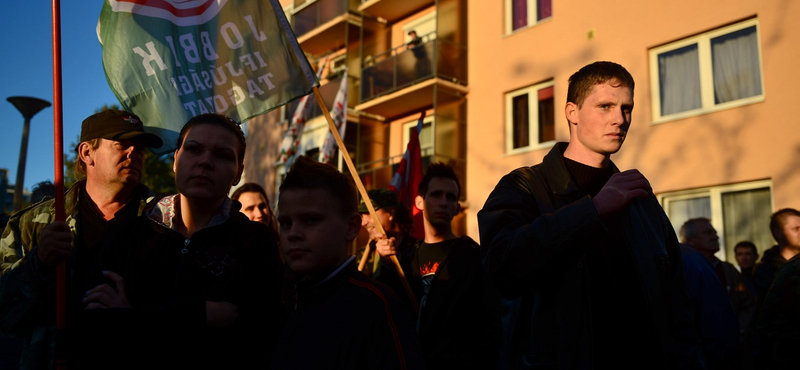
(26,69)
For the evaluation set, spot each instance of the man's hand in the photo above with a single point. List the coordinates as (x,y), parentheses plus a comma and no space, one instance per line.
(620,190)
(103,296)
(386,247)
(55,245)
(221,314)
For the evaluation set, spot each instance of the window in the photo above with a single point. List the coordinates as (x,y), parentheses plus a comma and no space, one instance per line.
(530,118)
(716,70)
(524,13)
(738,212)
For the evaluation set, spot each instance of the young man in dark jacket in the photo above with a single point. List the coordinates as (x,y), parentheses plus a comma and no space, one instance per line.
(338,318)
(459,318)
(584,256)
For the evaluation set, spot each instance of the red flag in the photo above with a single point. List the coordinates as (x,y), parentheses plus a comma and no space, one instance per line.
(407,178)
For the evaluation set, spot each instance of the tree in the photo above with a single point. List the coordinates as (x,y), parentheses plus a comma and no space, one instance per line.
(157,174)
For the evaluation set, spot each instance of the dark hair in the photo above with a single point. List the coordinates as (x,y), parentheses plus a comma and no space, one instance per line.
(249,187)
(689,228)
(746,244)
(582,82)
(776,223)
(220,121)
(307,173)
(437,169)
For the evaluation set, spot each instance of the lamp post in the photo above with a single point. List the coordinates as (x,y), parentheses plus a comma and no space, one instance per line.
(28,107)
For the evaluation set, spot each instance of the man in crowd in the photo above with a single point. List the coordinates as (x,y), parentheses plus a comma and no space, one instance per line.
(449,284)
(700,235)
(746,257)
(785,228)
(338,318)
(583,254)
(111,155)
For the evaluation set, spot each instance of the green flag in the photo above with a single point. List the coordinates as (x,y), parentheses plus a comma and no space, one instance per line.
(168,61)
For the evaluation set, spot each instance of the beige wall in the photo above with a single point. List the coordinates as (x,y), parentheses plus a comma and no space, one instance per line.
(757,141)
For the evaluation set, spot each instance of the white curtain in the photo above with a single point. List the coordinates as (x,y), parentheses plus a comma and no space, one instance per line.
(746,217)
(737,73)
(682,210)
(679,76)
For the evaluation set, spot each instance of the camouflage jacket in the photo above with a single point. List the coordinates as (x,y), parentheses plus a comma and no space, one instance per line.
(27,289)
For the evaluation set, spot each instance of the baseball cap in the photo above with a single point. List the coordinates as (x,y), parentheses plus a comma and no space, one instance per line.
(381,198)
(118,125)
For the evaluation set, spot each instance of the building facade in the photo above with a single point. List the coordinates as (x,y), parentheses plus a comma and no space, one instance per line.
(710,129)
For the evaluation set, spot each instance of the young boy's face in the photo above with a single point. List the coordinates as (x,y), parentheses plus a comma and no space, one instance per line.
(314,233)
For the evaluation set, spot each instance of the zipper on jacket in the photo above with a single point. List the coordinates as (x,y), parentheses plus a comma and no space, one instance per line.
(185,247)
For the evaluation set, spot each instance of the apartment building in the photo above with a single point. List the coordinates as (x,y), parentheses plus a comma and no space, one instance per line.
(393,76)
(712,128)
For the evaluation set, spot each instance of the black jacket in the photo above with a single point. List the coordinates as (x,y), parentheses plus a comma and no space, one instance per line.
(347,321)
(536,230)
(168,280)
(459,326)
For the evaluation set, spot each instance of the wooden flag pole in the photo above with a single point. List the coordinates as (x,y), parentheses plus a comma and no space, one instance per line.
(367,252)
(364,195)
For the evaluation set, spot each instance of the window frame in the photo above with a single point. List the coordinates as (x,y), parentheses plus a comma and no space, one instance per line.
(426,150)
(532,15)
(703,42)
(715,194)
(533,119)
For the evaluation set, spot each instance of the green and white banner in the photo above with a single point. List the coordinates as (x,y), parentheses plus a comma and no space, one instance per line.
(170,60)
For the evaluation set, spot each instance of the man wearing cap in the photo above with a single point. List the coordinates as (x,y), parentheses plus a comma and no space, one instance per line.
(397,222)
(111,155)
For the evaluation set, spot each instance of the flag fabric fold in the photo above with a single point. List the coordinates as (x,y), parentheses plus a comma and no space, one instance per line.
(407,177)
(339,116)
(168,63)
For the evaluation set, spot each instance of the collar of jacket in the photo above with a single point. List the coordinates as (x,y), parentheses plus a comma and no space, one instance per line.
(163,211)
(560,180)
(72,199)
(311,290)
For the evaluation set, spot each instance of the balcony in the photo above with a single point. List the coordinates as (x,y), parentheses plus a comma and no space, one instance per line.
(405,78)
(392,10)
(324,25)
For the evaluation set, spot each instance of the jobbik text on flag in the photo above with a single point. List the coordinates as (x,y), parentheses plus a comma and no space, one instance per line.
(168,61)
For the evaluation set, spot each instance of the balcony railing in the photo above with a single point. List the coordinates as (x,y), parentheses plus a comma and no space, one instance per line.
(317,14)
(407,64)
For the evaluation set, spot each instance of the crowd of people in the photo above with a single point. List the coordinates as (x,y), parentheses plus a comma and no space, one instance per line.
(578,267)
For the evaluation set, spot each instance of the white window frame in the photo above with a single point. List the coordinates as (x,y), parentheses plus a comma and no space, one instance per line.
(533,119)
(532,16)
(714,193)
(703,42)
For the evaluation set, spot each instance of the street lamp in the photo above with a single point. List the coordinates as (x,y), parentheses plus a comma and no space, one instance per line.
(28,107)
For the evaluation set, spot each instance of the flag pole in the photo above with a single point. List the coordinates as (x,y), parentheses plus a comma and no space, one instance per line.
(364,195)
(58,141)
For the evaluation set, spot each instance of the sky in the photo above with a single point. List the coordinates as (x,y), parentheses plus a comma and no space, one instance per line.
(26,69)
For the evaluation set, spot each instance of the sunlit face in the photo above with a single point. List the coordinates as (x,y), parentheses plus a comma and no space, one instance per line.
(790,226)
(705,239)
(385,219)
(254,206)
(206,164)
(746,257)
(599,126)
(314,234)
(440,204)
(118,162)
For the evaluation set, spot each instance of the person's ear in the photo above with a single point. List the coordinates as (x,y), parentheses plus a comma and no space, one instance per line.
(419,201)
(571,111)
(86,153)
